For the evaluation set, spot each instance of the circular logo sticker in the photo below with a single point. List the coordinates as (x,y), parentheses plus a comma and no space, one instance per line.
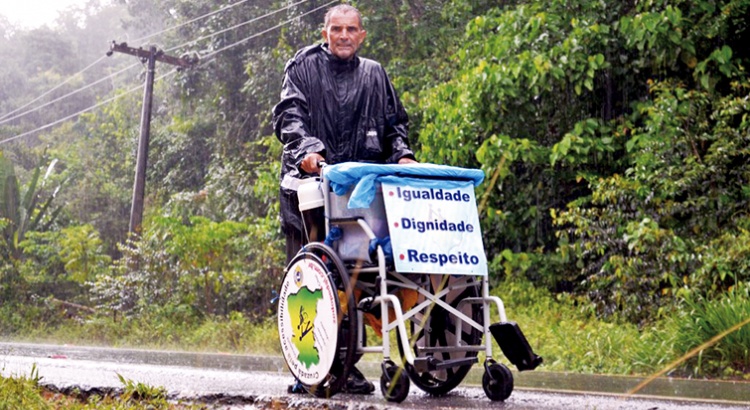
(308,321)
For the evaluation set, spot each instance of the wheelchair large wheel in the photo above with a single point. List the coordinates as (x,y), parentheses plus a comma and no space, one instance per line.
(317,320)
(438,328)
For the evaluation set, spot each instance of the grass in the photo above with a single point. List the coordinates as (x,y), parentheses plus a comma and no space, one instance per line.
(703,319)
(234,334)
(571,340)
(21,393)
(28,393)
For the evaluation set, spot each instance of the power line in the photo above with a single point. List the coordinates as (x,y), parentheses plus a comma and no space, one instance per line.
(51,90)
(253,20)
(4,117)
(191,21)
(104,102)
(211,55)
(206,58)
(68,94)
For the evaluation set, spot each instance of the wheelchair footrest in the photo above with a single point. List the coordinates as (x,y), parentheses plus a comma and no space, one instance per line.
(514,345)
(428,364)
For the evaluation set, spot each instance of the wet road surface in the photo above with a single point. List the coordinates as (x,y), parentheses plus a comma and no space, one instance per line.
(244,382)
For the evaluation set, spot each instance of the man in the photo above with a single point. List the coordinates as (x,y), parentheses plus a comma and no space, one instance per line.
(335,107)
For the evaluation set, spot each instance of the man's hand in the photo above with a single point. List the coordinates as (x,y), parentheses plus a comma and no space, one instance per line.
(310,163)
(407,160)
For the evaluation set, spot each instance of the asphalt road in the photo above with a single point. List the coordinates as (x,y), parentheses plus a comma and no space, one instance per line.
(243,382)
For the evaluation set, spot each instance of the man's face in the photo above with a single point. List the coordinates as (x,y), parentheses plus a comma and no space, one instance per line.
(344,34)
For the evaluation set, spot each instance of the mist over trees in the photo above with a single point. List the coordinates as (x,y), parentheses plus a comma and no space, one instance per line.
(613,134)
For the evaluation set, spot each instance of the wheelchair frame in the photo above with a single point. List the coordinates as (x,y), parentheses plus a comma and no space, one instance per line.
(420,363)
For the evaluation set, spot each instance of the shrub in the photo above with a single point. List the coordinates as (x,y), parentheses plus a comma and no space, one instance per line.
(196,265)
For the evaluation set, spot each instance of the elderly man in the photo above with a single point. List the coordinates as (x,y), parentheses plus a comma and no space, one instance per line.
(335,107)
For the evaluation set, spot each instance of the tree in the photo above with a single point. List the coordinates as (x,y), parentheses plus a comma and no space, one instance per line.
(610,131)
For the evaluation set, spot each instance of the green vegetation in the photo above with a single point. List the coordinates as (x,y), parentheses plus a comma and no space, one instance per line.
(615,138)
(703,319)
(17,393)
(569,339)
(29,393)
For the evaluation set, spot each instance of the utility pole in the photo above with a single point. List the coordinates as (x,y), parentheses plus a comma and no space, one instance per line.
(150,56)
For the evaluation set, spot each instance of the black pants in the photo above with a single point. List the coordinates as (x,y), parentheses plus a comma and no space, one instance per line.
(294,241)
(313,223)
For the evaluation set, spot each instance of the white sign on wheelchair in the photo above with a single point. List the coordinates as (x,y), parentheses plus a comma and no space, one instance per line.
(434,230)
(307,319)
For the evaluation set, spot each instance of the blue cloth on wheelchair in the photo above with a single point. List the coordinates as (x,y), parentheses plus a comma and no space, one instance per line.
(334,234)
(364,177)
(384,243)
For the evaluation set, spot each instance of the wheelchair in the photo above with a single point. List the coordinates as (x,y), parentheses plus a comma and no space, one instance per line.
(358,267)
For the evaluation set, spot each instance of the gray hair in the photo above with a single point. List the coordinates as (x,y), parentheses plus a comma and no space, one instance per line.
(344,9)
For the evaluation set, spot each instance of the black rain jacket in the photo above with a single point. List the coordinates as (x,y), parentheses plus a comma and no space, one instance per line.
(344,110)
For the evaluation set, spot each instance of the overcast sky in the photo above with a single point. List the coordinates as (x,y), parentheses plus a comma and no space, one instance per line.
(34,13)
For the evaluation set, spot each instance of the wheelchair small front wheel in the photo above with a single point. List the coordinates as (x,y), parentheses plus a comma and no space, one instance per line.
(394,383)
(497,382)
